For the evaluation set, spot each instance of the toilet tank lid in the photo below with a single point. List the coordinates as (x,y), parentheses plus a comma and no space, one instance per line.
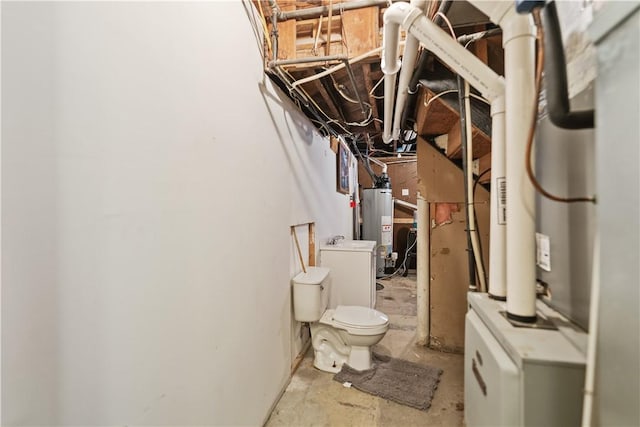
(313,276)
(359,316)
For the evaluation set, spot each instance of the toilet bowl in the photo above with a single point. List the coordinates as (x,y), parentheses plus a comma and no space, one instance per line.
(341,335)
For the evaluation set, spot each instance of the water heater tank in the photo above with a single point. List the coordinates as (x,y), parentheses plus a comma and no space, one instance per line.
(377,223)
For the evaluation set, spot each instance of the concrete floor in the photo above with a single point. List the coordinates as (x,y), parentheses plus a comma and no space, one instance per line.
(313,398)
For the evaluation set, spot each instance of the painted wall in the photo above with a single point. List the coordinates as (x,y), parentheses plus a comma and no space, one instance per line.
(148,186)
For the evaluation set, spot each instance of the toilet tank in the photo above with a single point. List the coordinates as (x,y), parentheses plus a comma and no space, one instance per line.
(311,294)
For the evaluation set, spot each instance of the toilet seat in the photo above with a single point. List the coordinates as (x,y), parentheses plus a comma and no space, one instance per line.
(357,320)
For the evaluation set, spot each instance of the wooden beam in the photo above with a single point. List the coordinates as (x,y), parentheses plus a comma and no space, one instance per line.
(331,106)
(368,83)
(433,118)
(361,29)
(287,34)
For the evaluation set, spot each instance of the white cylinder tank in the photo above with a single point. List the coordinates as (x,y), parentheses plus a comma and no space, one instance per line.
(311,294)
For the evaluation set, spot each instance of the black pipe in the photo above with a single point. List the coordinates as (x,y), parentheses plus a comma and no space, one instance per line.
(465,167)
(410,103)
(555,76)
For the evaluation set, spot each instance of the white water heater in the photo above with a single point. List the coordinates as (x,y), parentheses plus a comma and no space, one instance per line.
(377,225)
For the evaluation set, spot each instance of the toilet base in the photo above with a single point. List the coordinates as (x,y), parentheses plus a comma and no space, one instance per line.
(330,352)
(360,358)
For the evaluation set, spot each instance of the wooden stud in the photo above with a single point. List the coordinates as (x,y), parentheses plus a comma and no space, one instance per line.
(312,244)
(295,237)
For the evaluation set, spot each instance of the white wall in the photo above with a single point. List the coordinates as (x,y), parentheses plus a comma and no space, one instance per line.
(148,186)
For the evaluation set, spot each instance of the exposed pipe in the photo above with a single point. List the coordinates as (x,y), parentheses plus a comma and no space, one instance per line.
(310,59)
(518,42)
(498,209)
(473,231)
(592,340)
(444,7)
(390,63)
(423,274)
(519,48)
(316,12)
(555,75)
(274,28)
(405,204)
(339,66)
(465,133)
(409,57)
(442,45)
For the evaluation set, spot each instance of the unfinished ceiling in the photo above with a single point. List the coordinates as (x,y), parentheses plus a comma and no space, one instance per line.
(327,58)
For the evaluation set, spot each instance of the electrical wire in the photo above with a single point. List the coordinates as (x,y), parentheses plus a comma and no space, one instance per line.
(534,120)
(402,266)
(446,92)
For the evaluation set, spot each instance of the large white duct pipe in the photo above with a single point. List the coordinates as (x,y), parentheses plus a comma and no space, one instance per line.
(498,210)
(409,57)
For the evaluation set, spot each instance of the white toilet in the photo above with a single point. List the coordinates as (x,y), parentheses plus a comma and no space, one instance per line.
(341,335)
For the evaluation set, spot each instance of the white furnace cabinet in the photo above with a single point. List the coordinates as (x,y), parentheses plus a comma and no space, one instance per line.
(353,272)
(521,376)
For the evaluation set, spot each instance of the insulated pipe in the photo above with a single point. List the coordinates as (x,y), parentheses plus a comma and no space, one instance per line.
(555,75)
(423,274)
(498,209)
(409,57)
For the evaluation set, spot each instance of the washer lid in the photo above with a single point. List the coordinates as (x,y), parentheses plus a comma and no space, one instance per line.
(359,316)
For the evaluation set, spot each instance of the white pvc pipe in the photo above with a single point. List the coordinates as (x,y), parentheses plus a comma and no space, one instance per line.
(423,273)
(518,41)
(519,48)
(471,213)
(441,44)
(390,63)
(497,210)
(589,380)
(409,57)
(405,204)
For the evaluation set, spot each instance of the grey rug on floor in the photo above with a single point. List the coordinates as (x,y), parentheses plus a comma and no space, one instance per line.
(398,380)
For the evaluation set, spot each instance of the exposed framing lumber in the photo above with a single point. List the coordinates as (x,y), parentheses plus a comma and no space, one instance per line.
(366,72)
